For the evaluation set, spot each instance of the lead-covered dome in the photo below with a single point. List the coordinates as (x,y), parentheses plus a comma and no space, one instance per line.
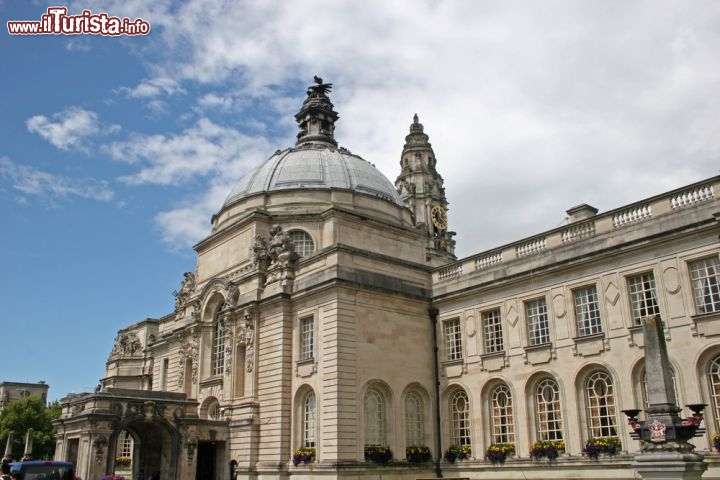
(315,165)
(316,161)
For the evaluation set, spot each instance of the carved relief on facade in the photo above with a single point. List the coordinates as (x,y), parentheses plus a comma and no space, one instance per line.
(189,350)
(281,250)
(246,336)
(259,253)
(183,295)
(126,345)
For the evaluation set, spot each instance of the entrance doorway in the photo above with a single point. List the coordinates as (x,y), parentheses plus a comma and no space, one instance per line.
(210,458)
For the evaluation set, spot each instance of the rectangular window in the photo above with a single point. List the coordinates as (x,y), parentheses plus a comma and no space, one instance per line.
(218,349)
(587,312)
(492,331)
(453,339)
(164,374)
(537,321)
(705,278)
(307,338)
(643,299)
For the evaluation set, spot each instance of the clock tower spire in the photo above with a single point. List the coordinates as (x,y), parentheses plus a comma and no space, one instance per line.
(421,188)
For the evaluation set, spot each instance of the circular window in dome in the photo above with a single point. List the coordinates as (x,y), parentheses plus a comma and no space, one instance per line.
(304,244)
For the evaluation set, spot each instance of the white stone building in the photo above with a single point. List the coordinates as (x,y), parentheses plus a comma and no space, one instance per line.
(327,311)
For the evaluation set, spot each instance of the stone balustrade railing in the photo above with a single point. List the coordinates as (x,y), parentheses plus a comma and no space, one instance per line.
(624,217)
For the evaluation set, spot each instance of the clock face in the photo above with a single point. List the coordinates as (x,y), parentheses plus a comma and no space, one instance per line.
(439,217)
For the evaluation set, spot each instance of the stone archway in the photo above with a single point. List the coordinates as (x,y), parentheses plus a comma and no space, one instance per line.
(163,425)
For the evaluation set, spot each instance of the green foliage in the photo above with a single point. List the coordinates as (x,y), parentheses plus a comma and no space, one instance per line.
(26,413)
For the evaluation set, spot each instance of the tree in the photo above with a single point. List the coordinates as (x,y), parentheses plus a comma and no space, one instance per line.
(26,413)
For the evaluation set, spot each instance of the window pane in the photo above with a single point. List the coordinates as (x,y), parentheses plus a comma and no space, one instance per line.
(547,409)
(492,330)
(309,410)
(643,300)
(587,312)
(705,277)
(714,378)
(307,343)
(304,245)
(374,419)
(414,420)
(537,320)
(460,415)
(501,412)
(218,347)
(601,405)
(453,339)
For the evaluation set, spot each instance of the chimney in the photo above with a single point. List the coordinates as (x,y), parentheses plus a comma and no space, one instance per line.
(580,213)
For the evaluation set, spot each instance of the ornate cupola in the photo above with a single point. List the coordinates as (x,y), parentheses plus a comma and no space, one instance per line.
(421,188)
(316,117)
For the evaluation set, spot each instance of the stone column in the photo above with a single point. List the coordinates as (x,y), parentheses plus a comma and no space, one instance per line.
(665,453)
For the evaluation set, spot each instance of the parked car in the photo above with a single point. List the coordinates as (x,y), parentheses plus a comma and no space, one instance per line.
(43,470)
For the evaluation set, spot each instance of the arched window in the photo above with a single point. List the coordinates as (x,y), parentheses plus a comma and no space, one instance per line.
(601,405)
(501,415)
(374,418)
(304,244)
(309,415)
(213,411)
(414,419)
(125,445)
(460,417)
(714,380)
(218,345)
(547,410)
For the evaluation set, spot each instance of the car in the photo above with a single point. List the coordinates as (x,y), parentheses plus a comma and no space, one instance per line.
(43,470)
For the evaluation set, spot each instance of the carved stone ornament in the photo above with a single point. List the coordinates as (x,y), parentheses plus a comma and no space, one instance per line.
(231,295)
(188,350)
(186,288)
(281,250)
(259,253)
(126,345)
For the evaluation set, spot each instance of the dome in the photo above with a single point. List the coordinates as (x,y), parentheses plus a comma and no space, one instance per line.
(315,166)
(316,161)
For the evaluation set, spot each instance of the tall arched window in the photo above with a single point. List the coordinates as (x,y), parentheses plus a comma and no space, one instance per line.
(547,410)
(309,416)
(601,405)
(303,242)
(714,380)
(218,346)
(460,417)
(501,415)
(374,418)
(125,445)
(414,420)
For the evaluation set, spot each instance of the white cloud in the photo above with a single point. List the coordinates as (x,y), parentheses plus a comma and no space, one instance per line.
(70,128)
(186,224)
(532,107)
(205,149)
(30,181)
(154,87)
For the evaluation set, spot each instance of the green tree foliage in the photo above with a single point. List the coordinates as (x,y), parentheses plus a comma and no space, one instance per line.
(26,413)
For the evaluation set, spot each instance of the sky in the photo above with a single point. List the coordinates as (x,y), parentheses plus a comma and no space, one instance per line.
(115,151)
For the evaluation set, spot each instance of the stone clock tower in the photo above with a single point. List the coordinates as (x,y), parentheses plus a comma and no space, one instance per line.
(421,188)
